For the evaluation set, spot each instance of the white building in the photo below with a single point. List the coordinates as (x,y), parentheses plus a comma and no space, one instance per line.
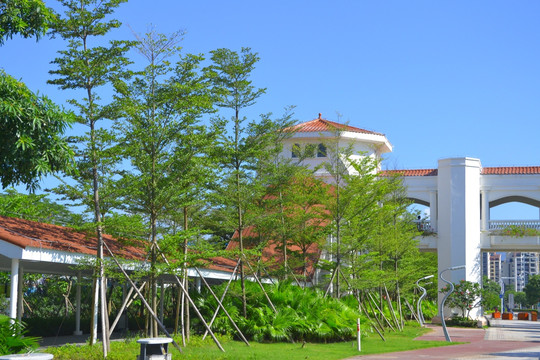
(459,194)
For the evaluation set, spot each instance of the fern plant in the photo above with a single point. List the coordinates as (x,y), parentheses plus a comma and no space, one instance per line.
(12,339)
(302,314)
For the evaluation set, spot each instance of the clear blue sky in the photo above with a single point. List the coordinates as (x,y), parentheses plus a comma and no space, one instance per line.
(439,78)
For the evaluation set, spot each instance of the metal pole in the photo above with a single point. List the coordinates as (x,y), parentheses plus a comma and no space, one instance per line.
(419,303)
(441,310)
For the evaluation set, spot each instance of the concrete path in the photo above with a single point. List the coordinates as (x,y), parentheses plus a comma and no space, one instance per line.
(504,339)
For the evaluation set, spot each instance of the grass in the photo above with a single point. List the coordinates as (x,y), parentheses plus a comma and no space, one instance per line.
(207,350)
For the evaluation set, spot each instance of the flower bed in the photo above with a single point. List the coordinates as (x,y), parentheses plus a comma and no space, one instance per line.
(507,316)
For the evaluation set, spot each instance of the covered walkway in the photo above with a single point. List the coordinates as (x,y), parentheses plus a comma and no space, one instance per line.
(32,247)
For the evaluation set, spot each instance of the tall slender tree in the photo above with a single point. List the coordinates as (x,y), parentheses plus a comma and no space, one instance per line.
(243,144)
(87,69)
(159,111)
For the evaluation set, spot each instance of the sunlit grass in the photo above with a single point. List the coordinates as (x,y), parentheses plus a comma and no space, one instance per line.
(207,350)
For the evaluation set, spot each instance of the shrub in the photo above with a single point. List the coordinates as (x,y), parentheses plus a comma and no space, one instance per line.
(303,314)
(12,339)
(517,231)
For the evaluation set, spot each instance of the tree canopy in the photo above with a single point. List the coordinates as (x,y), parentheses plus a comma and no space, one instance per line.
(28,18)
(31,127)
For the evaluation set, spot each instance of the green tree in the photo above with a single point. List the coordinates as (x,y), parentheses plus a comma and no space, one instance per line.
(532,290)
(32,128)
(160,109)
(239,148)
(86,69)
(292,210)
(28,18)
(521,298)
(465,296)
(490,293)
(32,125)
(37,208)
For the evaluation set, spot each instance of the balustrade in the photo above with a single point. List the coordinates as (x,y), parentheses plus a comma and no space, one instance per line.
(503,224)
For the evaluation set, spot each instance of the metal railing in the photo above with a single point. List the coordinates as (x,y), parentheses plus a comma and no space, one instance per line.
(423,225)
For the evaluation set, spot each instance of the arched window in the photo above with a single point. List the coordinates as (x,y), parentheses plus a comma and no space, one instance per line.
(321,150)
(310,150)
(295,151)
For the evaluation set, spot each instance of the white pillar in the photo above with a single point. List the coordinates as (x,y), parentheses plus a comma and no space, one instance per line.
(161,300)
(485,210)
(78,306)
(96,310)
(14,288)
(20,293)
(433,215)
(458,243)
(198,284)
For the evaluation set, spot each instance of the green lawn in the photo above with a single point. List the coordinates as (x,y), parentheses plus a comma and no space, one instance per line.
(198,349)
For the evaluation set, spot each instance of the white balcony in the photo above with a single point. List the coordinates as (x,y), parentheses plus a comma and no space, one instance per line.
(495,225)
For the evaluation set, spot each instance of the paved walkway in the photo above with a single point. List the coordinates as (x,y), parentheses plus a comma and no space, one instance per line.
(504,339)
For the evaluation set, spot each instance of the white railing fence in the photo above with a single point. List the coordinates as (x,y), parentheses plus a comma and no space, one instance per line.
(503,224)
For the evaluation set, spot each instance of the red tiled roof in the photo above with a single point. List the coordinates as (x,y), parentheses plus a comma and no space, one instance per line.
(418,172)
(26,233)
(502,170)
(220,263)
(272,253)
(321,125)
(511,170)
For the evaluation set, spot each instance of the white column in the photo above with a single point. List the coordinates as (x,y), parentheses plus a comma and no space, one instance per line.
(161,300)
(96,310)
(485,210)
(433,213)
(78,306)
(198,284)
(458,243)
(20,293)
(14,288)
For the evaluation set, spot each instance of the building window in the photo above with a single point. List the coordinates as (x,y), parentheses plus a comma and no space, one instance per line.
(295,151)
(310,150)
(321,150)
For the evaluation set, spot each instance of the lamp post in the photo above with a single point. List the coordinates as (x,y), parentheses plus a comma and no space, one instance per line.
(441,310)
(419,303)
(501,284)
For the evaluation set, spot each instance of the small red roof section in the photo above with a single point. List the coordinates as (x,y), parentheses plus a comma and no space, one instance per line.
(272,252)
(419,172)
(511,170)
(322,125)
(26,233)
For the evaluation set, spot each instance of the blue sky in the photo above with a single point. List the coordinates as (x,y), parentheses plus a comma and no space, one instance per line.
(439,78)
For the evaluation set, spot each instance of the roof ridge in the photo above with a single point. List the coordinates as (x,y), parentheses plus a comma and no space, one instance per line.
(312,126)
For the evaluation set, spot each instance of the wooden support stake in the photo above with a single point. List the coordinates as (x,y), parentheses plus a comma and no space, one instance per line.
(412,311)
(142,298)
(262,287)
(222,297)
(125,304)
(331,280)
(391,308)
(364,310)
(223,307)
(193,304)
(382,314)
